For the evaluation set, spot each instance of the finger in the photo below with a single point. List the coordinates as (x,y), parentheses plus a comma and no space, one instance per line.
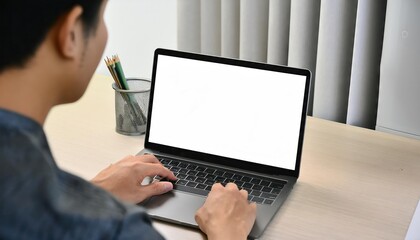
(156,188)
(216,186)
(244,193)
(253,207)
(150,170)
(198,219)
(232,186)
(252,212)
(172,174)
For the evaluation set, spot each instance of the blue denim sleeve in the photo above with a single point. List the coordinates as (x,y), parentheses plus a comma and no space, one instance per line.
(40,201)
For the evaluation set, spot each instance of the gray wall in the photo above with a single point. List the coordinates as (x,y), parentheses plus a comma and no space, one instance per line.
(399,92)
(136,28)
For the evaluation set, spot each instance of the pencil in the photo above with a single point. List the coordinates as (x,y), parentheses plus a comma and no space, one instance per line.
(114,66)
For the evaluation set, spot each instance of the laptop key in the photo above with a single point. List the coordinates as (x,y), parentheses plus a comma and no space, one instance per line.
(266,189)
(237,177)
(183,170)
(220,179)
(181,176)
(257,187)
(228,175)
(190,178)
(208,188)
(275,191)
(255,193)
(255,181)
(268,201)
(265,183)
(210,170)
(200,168)
(191,184)
(201,186)
(165,161)
(257,199)
(246,179)
(175,169)
(201,174)
(183,165)
(209,182)
(200,180)
(238,183)
(211,177)
(181,182)
(191,167)
(268,195)
(173,163)
(219,173)
(247,185)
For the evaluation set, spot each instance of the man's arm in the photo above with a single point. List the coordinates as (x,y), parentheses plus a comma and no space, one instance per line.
(123,179)
(226,214)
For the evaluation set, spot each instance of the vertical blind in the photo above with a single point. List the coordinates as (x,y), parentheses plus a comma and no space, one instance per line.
(340,41)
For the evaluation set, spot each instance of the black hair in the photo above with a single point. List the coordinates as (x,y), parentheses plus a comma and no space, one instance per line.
(24,25)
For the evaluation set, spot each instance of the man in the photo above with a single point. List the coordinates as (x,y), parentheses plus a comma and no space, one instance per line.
(49,51)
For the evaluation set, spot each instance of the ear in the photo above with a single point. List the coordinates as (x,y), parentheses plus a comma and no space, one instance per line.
(70,33)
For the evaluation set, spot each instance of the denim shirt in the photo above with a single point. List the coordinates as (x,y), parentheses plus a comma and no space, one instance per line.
(40,201)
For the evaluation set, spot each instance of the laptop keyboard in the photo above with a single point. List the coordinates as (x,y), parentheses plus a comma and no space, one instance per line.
(198,179)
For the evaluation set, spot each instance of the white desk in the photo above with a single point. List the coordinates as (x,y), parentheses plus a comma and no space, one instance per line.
(355,183)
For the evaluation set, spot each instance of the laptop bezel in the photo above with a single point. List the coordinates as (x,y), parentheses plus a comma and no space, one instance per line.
(220,160)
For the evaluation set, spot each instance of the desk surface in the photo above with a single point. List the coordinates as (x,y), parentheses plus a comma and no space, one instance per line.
(355,183)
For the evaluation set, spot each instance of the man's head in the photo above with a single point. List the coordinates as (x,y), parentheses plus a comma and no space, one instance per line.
(25,24)
(62,40)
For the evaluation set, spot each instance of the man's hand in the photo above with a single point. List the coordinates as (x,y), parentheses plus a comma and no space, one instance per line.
(226,214)
(123,179)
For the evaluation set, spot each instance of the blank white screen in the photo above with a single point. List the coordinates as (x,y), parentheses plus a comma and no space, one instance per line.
(242,113)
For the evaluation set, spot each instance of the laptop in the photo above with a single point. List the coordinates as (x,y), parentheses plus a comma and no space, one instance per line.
(214,119)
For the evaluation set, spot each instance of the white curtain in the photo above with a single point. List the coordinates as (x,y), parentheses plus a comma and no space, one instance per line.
(340,41)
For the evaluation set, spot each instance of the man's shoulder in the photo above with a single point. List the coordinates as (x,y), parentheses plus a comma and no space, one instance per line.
(35,195)
(12,121)
(24,152)
(19,132)
(19,147)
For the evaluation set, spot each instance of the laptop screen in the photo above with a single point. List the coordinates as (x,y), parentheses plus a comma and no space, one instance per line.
(238,112)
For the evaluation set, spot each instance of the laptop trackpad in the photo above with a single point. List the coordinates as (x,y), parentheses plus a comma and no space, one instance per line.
(175,206)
